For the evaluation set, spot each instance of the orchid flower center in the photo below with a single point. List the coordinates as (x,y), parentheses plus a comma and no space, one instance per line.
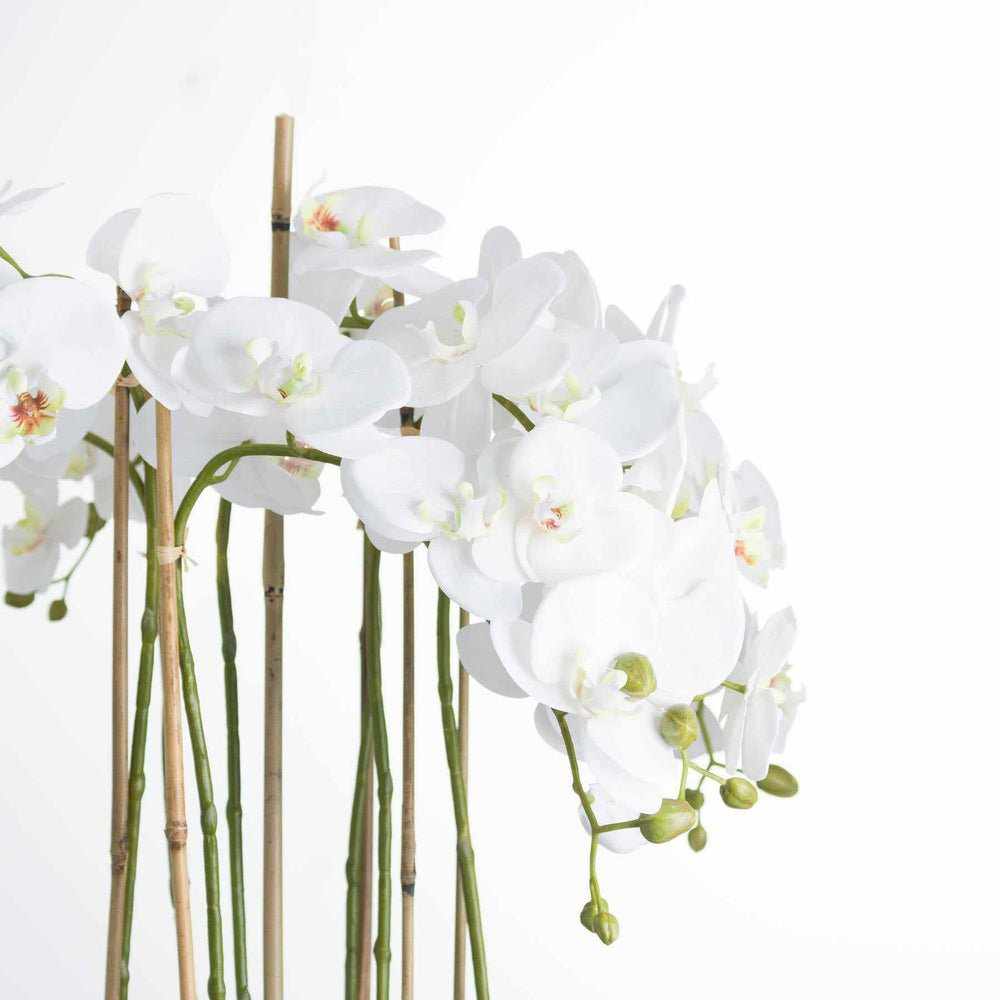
(159,302)
(466,517)
(751,545)
(283,380)
(455,338)
(300,468)
(81,461)
(28,533)
(568,400)
(32,404)
(553,511)
(602,691)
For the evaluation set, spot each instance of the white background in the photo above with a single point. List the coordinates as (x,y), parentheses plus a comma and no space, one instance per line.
(824,180)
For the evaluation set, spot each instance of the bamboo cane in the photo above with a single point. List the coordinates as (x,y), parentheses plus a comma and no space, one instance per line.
(408,849)
(173,750)
(463,754)
(274,587)
(119,688)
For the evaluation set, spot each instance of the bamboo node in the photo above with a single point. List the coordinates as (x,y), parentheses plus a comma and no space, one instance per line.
(176,831)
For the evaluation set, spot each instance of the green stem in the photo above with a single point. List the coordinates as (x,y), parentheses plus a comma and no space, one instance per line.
(625,824)
(352,965)
(705,773)
(733,686)
(137,772)
(206,799)
(234,805)
(466,855)
(13,263)
(373,668)
(515,411)
(588,809)
(226,461)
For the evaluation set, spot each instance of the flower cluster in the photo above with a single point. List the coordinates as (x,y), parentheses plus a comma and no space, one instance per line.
(570,487)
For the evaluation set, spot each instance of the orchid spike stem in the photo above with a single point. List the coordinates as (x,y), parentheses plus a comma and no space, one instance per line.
(588,809)
(355,859)
(733,686)
(515,411)
(706,773)
(234,805)
(13,263)
(380,735)
(466,855)
(140,725)
(108,448)
(206,800)
(463,747)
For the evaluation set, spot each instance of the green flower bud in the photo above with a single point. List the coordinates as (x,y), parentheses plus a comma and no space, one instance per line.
(606,927)
(738,793)
(697,838)
(673,818)
(779,782)
(694,798)
(17,600)
(679,726)
(57,611)
(641,681)
(589,914)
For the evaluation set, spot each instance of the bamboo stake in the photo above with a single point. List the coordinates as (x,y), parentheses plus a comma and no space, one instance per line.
(173,750)
(274,587)
(463,756)
(119,688)
(408,850)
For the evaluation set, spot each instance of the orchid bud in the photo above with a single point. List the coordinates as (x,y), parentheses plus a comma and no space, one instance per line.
(679,726)
(695,798)
(57,610)
(697,838)
(673,818)
(641,681)
(13,600)
(738,793)
(779,782)
(589,914)
(606,927)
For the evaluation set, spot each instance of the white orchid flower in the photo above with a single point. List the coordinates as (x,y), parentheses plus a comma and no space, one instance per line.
(756,520)
(419,489)
(566,513)
(283,485)
(31,546)
(14,204)
(285,360)
(61,348)
(171,258)
(337,250)
(755,723)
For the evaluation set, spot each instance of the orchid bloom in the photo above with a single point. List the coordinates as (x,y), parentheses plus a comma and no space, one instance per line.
(759,544)
(755,722)
(31,546)
(171,258)
(284,360)
(420,489)
(338,253)
(61,348)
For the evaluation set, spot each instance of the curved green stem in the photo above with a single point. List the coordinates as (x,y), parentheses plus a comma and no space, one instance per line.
(206,799)
(218,469)
(588,809)
(140,726)
(466,855)
(373,668)
(13,263)
(515,411)
(234,805)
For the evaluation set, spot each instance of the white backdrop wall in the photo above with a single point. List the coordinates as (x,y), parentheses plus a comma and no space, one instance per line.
(823,179)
